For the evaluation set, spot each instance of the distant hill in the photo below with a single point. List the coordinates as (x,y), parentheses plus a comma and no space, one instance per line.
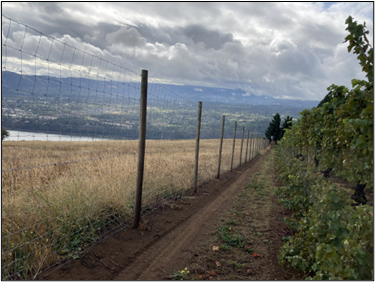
(236,96)
(70,86)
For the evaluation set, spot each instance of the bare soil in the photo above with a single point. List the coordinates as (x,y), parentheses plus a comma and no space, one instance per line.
(344,184)
(181,233)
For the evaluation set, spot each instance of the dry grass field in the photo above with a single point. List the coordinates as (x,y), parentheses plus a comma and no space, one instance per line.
(58,196)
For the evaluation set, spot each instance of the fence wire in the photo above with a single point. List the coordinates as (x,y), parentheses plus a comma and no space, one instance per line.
(60,196)
(66,193)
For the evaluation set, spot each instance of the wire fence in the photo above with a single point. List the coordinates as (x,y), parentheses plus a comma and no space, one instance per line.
(69,173)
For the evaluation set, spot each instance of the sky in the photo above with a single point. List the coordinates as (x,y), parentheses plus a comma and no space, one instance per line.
(287,50)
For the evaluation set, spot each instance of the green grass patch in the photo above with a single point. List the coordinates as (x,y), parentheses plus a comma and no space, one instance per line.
(232,222)
(236,212)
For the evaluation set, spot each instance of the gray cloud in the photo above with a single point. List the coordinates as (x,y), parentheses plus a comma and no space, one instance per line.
(212,39)
(291,49)
(52,8)
(188,35)
(296,61)
(128,37)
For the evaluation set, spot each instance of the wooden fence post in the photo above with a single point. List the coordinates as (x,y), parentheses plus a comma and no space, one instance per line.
(259,145)
(220,147)
(234,142)
(243,130)
(141,149)
(197,147)
(251,147)
(255,146)
(247,145)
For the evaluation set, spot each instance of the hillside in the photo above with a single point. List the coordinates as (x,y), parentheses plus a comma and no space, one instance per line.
(108,109)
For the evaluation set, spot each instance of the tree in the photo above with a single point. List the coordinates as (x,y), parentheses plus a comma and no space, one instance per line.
(287,123)
(274,128)
(4,134)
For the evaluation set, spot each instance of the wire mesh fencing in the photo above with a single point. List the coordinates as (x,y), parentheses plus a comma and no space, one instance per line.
(60,196)
(69,165)
(171,146)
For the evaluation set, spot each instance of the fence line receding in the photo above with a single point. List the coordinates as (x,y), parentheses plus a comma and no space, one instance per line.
(77,186)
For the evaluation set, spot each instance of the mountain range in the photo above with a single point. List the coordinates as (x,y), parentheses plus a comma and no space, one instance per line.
(70,86)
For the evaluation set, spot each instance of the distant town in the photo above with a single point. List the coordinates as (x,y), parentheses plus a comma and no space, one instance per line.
(62,109)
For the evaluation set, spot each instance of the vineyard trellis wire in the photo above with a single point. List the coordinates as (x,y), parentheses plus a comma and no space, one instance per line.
(313,156)
(61,197)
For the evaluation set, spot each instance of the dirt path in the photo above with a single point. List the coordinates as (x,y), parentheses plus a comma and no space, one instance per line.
(174,249)
(248,235)
(172,235)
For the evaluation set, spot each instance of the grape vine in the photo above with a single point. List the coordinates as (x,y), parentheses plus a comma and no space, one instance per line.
(333,236)
(340,133)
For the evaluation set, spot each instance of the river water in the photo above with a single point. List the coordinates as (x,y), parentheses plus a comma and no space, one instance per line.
(34,136)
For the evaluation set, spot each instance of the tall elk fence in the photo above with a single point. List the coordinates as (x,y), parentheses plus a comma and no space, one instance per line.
(77,186)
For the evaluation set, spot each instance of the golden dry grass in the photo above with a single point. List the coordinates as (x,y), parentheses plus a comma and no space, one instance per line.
(56,193)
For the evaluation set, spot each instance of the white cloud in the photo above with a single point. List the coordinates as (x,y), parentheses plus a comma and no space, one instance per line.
(198,89)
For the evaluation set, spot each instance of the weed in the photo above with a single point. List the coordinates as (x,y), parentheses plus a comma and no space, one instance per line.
(236,212)
(236,264)
(231,221)
(180,275)
(225,247)
(249,250)
(232,240)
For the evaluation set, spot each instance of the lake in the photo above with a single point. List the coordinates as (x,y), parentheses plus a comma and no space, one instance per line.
(33,136)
